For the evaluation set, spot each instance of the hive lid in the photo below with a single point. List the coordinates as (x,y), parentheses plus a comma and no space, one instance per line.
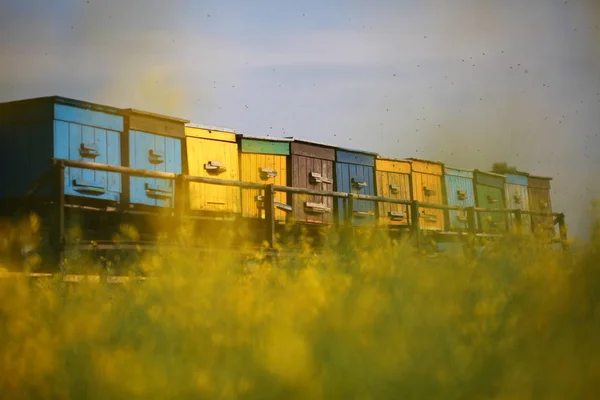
(384,158)
(62,100)
(540,177)
(369,153)
(211,127)
(265,138)
(310,142)
(133,111)
(459,168)
(425,161)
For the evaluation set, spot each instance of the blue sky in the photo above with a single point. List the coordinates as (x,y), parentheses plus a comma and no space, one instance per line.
(465,82)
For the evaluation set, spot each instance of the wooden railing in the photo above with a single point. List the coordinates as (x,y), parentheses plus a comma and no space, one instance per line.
(57,174)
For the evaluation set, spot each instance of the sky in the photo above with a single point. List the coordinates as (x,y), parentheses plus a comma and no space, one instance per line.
(465,82)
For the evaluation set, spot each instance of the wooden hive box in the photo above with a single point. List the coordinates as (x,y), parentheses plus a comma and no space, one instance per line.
(312,167)
(393,181)
(33,131)
(427,187)
(212,152)
(459,192)
(264,160)
(489,193)
(154,143)
(516,193)
(355,173)
(539,201)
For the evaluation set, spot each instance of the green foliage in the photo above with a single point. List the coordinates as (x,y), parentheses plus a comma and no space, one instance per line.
(365,318)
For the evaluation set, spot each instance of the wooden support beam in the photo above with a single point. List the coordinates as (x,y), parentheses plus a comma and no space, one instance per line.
(350,210)
(60,239)
(181,203)
(269,200)
(416,224)
(518,213)
(472,231)
(562,228)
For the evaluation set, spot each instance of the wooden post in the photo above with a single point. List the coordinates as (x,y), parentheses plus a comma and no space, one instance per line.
(562,228)
(350,210)
(60,212)
(472,230)
(349,223)
(269,201)
(415,224)
(518,220)
(180,204)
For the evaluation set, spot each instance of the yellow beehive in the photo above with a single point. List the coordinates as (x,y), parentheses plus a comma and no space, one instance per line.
(264,160)
(393,181)
(213,152)
(427,188)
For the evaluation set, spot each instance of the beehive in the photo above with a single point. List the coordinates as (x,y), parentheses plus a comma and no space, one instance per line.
(355,173)
(459,192)
(427,186)
(539,201)
(154,144)
(517,197)
(34,131)
(264,160)
(489,193)
(212,152)
(312,168)
(393,181)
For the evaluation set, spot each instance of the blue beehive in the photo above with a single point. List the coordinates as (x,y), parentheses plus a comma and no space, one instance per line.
(354,173)
(34,131)
(459,192)
(155,143)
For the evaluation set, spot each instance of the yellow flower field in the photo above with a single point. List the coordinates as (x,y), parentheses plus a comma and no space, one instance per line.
(362,319)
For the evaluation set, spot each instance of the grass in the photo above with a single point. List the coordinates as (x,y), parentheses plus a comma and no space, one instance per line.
(369,319)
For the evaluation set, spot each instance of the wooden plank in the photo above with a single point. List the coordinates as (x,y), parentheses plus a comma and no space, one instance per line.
(265,147)
(251,166)
(355,158)
(202,152)
(88,117)
(489,179)
(464,173)
(156,125)
(116,168)
(391,165)
(308,150)
(539,182)
(210,134)
(516,179)
(426,167)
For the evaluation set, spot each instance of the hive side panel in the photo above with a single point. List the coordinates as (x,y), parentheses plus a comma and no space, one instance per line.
(215,198)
